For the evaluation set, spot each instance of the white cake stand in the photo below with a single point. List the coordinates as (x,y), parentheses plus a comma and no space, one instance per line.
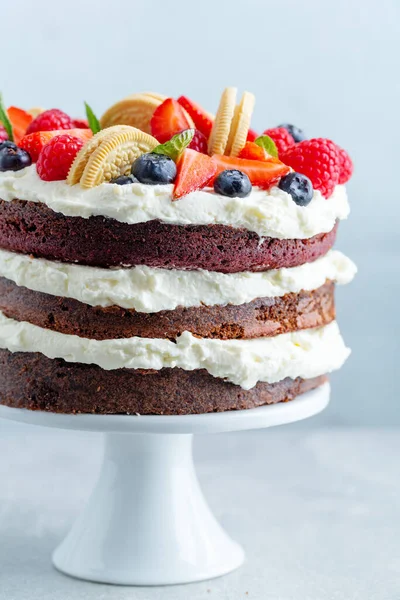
(147,522)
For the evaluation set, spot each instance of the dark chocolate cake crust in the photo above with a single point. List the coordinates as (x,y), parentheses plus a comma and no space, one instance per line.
(262,317)
(32,381)
(33,228)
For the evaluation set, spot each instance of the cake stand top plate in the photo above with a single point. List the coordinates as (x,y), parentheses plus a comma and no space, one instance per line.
(302,407)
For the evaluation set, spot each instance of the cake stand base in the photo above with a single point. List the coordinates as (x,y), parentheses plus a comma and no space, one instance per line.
(147,522)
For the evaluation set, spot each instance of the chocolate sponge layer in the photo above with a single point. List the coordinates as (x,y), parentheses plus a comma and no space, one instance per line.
(33,228)
(32,381)
(262,317)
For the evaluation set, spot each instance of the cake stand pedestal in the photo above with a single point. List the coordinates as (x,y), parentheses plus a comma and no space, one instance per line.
(147,522)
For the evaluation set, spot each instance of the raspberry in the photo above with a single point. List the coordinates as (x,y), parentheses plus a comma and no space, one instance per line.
(50,120)
(199,142)
(57,156)
(346,166)
(3,134)
(282,138)
(319,160)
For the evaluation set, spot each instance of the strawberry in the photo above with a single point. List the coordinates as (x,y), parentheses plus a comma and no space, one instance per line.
(168,119)
(80,124)
(253,151)
(35,142)
(194,172)
(201,119)
(252,135)
(263,174)
(57,157)
(20,121)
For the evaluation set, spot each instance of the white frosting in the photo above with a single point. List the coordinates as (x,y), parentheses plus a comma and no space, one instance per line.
(147,289)
(268,213)
(306,353)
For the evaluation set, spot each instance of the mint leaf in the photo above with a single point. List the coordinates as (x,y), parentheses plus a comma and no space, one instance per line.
(264,141)
(176,145)
(5,120)
(92,119)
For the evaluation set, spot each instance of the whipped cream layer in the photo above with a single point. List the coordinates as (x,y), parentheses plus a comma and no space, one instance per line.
(150,290)
(307,353)
(269,213)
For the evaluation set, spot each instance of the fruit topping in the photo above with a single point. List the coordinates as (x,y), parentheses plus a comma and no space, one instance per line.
(3,133)
(50,120)
(252,135)
(263,174)
(20,120)
(297,134)
(298,186)
(57,157)
(124,180)
(8,144)
(281,138)
(199,142)
(5,121)
(176,145)
(319,160)
(240,124)
(35,142)
(13,158)
(222,122)
(232,183)
(345,166)
(80,124)
(93,122)
(135,110)
(194,172)
(154,169)
(169,119)
(253,151)
(268,144)
(202,120)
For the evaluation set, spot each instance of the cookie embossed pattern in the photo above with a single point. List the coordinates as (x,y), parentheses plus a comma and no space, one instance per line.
(165,262)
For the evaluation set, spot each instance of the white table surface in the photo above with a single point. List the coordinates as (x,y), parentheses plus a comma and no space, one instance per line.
(317,511)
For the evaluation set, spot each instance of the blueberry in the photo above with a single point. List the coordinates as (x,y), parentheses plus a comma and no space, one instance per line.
(232,183)
(13,158)
(297,134)
(124,180)
(8,144)
(299,187)
(154,168)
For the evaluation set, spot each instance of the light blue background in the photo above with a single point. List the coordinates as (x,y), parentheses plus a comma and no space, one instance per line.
(329,67)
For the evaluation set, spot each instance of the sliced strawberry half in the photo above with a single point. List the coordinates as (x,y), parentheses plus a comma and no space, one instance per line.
(20,121)
(168,119)
(194,171)
(253,151)
(201,119)
(35,142)
(252,135)
(263,174)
